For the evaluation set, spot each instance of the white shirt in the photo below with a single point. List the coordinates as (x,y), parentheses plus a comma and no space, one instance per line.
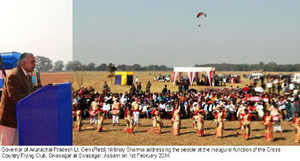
(94,105)
(269,85)
(231,107)
(106,107)
(292,86)
(259,107)
(24,71)
(281,105)
(123,100)
(162,106)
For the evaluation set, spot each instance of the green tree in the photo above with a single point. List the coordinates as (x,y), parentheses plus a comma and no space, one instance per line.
(76,65)
(69,66)
(58,65)
(136,67)
(102,67)
(111,68)
(91,66)
(43,64)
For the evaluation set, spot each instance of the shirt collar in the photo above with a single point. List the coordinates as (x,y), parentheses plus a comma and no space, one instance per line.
(24,72)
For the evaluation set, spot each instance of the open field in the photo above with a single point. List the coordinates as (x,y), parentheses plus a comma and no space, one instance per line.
(56,77)
(96,79)
(115,136)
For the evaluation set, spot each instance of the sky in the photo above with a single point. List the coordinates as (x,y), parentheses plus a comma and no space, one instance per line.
(167,32)
(41,27)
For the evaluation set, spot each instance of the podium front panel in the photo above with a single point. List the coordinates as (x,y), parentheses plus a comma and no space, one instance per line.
(45,117)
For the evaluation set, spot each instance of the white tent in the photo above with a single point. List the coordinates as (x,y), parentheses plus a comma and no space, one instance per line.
(193,72)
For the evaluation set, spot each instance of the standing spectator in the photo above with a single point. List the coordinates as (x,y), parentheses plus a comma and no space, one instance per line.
(165,90)
(286,89)
(148,87)
(263,85)
(282,107)
(132,89)
(279,88)
(186,86)
(106,88)
(180,87)
(260,110)
(289,110)
(269,86)
(136,80)
(139,87)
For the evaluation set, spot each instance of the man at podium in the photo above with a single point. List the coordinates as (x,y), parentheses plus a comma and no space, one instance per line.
(18,85)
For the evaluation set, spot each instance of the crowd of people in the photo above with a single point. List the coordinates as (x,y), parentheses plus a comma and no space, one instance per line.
(216,104)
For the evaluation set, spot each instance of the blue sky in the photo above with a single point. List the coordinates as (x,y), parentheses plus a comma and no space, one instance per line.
(167,32)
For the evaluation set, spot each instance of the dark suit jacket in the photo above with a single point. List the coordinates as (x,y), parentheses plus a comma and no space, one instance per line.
(16,87)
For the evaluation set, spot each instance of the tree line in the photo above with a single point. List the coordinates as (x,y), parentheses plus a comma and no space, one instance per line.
(44,64)
(271,66)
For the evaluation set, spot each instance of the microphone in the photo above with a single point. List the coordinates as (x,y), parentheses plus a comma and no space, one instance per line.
(38,79)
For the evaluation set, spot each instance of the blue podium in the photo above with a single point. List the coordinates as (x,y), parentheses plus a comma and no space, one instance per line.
(45,117)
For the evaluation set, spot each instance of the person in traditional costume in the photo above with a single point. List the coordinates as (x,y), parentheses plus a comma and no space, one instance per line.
(101,117)
(200,123)
(220,116)
(154,111)
(276,117)
(136,112)
(116,107)
(157,122)
(196,110)
(94,112)
(246,123)
(296,124)
(129,119)
(241,113)
(176,120)
(106,108)
(268,121)
(78,115)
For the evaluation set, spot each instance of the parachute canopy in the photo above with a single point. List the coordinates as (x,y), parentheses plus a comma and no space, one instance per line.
(200,14)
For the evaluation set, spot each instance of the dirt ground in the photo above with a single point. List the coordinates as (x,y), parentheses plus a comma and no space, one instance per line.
(56,77)
(188,136)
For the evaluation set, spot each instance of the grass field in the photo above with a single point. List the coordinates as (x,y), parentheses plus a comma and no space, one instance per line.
(96,79)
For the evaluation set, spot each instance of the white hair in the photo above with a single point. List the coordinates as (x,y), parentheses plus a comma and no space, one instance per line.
(23,57)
